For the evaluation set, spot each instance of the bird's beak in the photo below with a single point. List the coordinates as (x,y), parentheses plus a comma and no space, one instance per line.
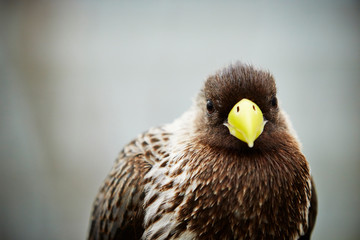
(246,121)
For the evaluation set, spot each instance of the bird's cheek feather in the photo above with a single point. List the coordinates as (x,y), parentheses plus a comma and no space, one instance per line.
(246,121)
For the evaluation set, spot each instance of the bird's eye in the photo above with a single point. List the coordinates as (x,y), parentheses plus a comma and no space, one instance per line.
(274,102)
(210,106)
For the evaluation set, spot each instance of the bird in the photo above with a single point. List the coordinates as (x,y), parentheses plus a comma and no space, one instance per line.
(230,167)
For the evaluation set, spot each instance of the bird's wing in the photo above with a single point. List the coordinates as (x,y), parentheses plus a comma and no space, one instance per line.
(312,212)
(118,211)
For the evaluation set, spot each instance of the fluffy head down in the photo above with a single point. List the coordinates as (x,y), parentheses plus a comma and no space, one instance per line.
(222,91)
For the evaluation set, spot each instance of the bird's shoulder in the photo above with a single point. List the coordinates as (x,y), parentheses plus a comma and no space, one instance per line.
(118,210)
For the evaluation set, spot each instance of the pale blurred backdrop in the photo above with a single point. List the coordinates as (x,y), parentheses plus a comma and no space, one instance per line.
(79,79)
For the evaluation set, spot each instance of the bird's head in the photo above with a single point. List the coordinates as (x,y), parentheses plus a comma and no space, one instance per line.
(238,108)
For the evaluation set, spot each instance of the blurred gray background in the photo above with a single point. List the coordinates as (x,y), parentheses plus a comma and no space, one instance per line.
(79,79)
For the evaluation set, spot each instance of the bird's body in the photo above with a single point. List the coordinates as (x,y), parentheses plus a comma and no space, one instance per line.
(193,180)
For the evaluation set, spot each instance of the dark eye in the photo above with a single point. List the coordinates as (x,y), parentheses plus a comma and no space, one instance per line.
(274,102)
(210,106)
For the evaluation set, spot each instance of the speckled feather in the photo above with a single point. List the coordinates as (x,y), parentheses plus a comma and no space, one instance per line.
(192,180)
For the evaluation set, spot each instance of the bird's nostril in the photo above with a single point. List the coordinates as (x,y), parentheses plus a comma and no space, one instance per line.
(254,108)
(237,109)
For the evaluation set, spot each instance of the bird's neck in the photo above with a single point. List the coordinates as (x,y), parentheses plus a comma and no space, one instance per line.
(254,189)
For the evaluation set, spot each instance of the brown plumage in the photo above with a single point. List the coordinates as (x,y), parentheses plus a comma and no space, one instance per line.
(193,180)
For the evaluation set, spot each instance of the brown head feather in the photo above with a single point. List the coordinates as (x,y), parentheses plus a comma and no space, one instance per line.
(225,89)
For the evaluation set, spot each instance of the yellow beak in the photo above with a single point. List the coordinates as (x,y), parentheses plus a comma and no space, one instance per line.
(246,121)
